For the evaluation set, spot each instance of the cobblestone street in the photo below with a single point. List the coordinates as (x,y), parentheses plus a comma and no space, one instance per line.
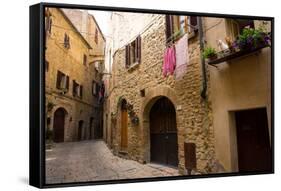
(92,161)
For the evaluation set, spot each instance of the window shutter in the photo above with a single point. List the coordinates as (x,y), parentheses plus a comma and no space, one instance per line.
(93,84)
(68,42)
(59,76)
(138,49)
(185,24)
(169,26)
(65,40)
(84,59)
(67,82)
(46,66)
(81,91)
(50,26)
(193,22)
(127,56)
(96,36)
(74,88)
(47,24)
(97,89)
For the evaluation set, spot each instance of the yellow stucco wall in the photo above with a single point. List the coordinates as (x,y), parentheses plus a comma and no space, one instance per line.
(239,84)
(88,26)
(70,62)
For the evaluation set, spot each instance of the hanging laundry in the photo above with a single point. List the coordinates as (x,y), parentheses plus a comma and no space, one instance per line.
(101,93)
(182,57)
(169,61)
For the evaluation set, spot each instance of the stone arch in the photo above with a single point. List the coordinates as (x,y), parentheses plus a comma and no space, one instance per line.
(60,116)
(151,97)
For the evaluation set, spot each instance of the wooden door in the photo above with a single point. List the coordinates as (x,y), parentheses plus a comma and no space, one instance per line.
(124,126)
(254,151)
(163,133)
(59,119)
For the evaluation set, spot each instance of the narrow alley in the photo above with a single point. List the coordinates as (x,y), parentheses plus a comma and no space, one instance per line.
(93,161)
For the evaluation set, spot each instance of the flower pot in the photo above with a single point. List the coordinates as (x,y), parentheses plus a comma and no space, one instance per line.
(212,58)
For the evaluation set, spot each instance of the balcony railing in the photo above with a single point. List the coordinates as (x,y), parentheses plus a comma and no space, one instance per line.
(233,55)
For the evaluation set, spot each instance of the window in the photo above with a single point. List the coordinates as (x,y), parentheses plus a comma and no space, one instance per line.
(46,66)
(84,60)
(48,121)
(178,25)
(193,24)
(169,26)
(236,26)
(48,24)
(94,88)
(66,42)
(77,90)
(133,52)
(62,81)
(97,65)
(96,36)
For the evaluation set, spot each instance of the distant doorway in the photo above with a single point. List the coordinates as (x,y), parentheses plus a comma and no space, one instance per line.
(80,130)
(90,127)
(254,150)
(163,133)
(59,122)
(98,130)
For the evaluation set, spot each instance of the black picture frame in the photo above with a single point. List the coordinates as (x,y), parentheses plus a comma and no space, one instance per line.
(37,93)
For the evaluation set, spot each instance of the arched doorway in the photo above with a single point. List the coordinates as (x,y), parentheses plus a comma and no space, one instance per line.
(59,122)
(163,133)
(80,130)
(124,125)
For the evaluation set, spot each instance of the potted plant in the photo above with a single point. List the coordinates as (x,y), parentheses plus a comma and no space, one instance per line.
(251,39)
(210,53)
(50,106)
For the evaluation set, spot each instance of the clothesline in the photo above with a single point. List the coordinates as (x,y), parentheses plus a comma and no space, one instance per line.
(176,33)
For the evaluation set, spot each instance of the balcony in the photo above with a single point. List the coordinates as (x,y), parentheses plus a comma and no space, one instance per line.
(248,42)
(233,55)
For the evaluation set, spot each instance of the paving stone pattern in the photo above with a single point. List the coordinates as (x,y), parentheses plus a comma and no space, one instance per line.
(93,161)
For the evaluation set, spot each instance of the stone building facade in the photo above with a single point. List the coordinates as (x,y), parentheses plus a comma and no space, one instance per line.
(138,88)
(73,111)
(241,86)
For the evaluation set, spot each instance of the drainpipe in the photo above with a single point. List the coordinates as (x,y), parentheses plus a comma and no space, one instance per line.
(204,78)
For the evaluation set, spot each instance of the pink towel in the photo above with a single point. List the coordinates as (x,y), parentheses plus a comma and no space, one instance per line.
(181,57)
(169,62)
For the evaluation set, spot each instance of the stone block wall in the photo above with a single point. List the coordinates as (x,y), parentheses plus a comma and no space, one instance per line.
(193,114)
